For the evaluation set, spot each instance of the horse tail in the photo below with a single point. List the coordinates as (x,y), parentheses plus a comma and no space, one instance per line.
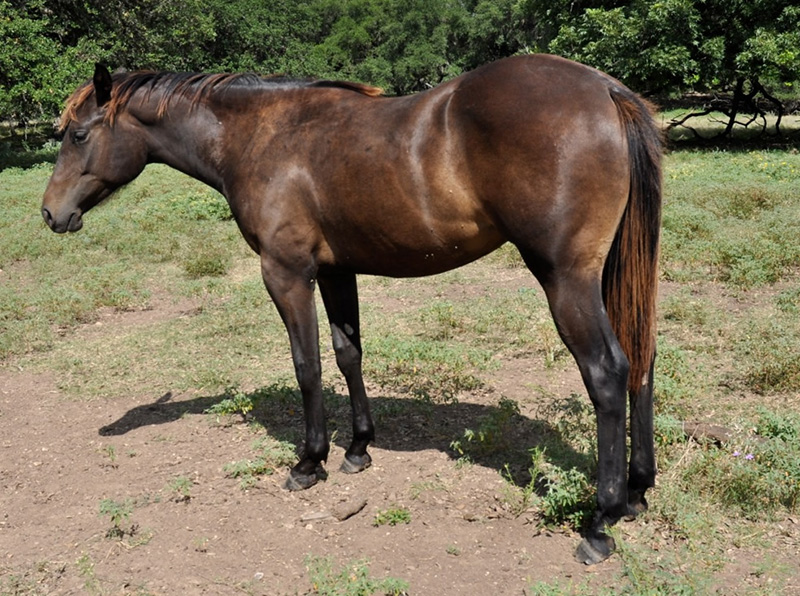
(630,277)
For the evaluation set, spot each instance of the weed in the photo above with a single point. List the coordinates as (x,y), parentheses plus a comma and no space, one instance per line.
(111,453)
(758,478)
(271,455)
(236,402)
(351,579)
(567,495)
(206,261)
(678,379)
(86,570)
(674,574)
(417,488)
(440,321)
(118,513)
(492,433)
(392,517)
(771,350)
(788,301)
(182,488)
(573,419)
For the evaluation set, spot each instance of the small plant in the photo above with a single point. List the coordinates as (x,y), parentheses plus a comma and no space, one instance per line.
(118,513)
(349,580)
(206,262)
(772,353)
(111,453)
(181,487)
(564,496)
(392,517)
(86,571)
(430,370)
(493,433)
(272,454)
(236,402)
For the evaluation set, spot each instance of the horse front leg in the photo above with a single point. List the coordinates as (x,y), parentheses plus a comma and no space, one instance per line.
(340,295)
(293,294)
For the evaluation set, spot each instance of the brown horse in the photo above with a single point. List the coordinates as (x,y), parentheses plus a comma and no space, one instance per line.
(327,180)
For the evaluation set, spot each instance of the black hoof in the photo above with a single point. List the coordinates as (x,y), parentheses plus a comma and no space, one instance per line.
(298,481)
(353,464)
(594,551)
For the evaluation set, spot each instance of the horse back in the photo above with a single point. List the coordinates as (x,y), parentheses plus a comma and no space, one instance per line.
(422,184)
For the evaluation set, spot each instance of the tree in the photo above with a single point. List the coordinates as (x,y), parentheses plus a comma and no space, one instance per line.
(737,47)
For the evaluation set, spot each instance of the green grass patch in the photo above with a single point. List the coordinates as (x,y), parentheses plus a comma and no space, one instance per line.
(351,579)
(730,216)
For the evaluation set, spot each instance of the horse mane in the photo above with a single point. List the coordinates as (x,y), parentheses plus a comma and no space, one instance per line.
(193,86)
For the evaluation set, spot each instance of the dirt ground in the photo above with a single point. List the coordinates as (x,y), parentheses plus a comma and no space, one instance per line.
(60,457)
(56,469)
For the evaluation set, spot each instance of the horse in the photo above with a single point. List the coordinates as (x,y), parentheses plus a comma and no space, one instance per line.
(328,180)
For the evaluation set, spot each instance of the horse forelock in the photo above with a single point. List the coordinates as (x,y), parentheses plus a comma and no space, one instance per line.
(192,86)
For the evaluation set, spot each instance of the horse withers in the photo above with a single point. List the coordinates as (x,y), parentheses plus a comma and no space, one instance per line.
(327,180)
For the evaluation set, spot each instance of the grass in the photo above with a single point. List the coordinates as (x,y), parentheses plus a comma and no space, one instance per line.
(729,353)
(351,579)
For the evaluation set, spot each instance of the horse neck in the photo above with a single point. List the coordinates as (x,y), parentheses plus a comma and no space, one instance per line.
(187,139)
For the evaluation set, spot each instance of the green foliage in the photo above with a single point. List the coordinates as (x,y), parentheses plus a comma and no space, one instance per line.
(492,434)
(771,352)
(352,579)
(271,454)
(757,480)
(235,402)
(182,489)
(392,517)
(567,494)
(731,217)
(118,512)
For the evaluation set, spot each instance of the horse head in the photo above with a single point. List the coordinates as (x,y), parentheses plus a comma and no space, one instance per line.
(101,151)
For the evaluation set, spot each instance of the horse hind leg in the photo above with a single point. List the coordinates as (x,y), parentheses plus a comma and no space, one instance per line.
(642,469)
(577,307)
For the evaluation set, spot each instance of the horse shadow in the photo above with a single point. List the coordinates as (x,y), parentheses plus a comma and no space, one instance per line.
(494,436)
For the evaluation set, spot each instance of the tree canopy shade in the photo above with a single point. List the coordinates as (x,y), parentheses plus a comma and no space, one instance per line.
(745,47)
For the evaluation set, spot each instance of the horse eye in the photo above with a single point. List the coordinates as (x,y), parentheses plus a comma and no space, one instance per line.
(79,136)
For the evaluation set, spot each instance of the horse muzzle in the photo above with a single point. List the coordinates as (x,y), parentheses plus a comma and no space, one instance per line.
(70,222)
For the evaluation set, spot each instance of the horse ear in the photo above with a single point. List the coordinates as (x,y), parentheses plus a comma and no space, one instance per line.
(102,84)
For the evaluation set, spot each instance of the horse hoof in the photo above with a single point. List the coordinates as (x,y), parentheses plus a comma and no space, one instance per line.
(355,464)
(297,481)
(589,554)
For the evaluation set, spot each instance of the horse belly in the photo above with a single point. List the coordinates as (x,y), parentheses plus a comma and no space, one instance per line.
(401,241)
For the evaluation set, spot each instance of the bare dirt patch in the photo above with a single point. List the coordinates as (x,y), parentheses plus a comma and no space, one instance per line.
(62,457)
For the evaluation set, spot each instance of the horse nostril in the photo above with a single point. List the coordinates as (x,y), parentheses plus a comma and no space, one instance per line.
(48,217)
